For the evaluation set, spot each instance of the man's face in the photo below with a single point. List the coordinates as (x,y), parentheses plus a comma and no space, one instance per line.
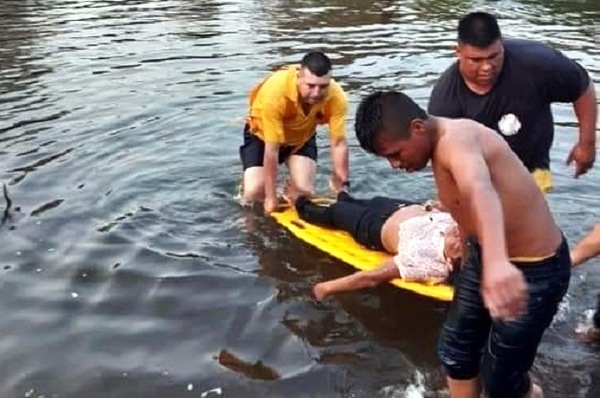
(408,154)
(480,66)
(312,88)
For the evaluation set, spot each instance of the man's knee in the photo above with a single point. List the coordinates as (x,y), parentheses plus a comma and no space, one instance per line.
(302,174)
(508,356)
(253,185)
(457,360)
(303,185)
(304,189)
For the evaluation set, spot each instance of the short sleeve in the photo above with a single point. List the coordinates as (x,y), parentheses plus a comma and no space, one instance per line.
(272,122)
(561,78)
(443,100)
(338,112)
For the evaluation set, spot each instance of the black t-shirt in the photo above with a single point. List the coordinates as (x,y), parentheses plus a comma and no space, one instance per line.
(534,75)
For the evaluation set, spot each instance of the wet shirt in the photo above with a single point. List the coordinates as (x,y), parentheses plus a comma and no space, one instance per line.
(420,255)
(276,114)
(534,75)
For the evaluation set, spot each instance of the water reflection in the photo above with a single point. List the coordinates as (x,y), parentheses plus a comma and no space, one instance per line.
(128,269)
(338,328)
(19,68)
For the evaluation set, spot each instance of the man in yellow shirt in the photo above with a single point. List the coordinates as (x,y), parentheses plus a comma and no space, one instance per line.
(285,109)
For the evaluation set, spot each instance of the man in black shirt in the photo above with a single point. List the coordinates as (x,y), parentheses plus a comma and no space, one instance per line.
(508,85)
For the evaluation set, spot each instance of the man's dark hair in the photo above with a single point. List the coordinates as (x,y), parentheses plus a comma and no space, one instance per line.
(478,29)
(385,111)
(317,63)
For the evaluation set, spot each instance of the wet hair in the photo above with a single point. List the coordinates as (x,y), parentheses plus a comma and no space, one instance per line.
(317,63)
(478,29)
(389,112)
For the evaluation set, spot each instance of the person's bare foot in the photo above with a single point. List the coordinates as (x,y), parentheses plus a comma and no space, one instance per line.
(289,194)
(320,291)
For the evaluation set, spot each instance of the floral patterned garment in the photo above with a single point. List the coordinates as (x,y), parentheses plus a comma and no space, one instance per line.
(420,255)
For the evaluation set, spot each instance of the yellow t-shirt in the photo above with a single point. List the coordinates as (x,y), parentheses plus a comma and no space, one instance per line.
(276,115)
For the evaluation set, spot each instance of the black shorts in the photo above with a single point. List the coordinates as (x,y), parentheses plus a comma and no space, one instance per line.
(252,151)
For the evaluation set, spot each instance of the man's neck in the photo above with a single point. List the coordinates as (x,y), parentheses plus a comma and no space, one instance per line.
(433,128)
(477,88)
(305,107)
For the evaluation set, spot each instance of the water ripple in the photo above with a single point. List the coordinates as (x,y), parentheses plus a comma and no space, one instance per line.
(128,269)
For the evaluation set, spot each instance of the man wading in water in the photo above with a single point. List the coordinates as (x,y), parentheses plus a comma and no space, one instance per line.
(517,265)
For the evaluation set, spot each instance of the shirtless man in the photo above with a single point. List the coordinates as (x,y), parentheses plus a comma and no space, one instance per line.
(517,264)
(424,240)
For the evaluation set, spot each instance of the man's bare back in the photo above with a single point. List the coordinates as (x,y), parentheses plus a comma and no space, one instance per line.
(530,229)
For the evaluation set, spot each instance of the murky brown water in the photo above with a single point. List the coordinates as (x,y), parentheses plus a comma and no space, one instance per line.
(127,269)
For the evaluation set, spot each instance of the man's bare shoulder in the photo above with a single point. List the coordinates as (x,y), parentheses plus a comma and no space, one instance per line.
(468,128)
(457,136)
(464,135)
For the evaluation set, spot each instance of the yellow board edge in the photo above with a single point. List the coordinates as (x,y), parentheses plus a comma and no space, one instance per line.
(342,246)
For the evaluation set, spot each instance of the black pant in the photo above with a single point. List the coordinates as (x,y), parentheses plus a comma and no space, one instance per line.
(472,343)
(361,218)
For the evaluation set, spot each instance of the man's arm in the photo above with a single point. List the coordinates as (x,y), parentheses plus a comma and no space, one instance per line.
(273,134)
(339,160)
(587,114)
(564,80)
(338,112)
(587,247)
(359,280)
(503,285)
(584,152)
(472,177)
(270,171)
